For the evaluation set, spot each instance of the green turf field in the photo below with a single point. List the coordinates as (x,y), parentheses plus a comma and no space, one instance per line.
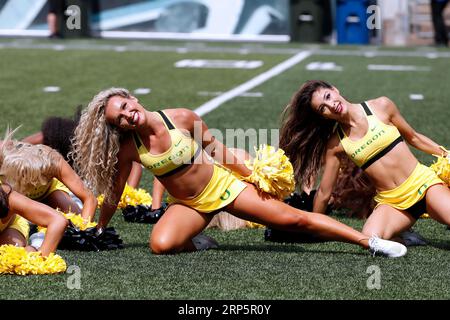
(245,266)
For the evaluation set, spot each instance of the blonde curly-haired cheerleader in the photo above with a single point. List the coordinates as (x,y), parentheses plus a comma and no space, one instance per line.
(115,130)
(41,173)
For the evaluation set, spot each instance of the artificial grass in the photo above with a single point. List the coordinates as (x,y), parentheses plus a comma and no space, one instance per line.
(245,266)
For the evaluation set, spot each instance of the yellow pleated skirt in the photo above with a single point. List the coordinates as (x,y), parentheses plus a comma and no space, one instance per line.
(411,191)
(221,190)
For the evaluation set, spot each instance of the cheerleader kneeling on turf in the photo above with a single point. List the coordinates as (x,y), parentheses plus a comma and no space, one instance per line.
(320,126)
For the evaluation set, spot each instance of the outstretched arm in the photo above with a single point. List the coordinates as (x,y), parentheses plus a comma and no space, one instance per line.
(109,206)
(415,139)
(36,138)
(213,147)
(135,175)
(42,215)
(329,176)
(157,194)
(72,181)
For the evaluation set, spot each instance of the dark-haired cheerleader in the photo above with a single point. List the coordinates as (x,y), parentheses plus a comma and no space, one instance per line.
(321,125)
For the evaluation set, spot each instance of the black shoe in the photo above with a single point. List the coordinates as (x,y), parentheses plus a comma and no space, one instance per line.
(55,35)
(203,242)
(412,238)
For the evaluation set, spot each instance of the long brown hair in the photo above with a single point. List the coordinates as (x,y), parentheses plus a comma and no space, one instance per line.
(304,133)
(354,191)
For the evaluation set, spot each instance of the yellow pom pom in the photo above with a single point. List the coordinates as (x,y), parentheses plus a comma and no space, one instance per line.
(100,200)
(130,197)
(76,220)
(425,216)
(16,260)
(442,168)
(134,197)
(272,172)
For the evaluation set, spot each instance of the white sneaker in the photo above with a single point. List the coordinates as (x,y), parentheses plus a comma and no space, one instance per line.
(76,200)
(412,238)
(36,240)
(386,248)
(203,242)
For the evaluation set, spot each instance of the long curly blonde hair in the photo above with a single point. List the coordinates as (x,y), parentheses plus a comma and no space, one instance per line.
(26,166)
(95,145)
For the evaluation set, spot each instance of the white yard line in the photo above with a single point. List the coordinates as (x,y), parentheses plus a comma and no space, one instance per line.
(252,83)
(389,67)
(363,52)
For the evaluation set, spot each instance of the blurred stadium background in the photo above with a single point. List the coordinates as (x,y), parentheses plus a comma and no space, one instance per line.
(244,58)
(401,22)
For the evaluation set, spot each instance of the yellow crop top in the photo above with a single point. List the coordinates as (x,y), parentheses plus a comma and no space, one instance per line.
(39,191)
(379,140)
(181,153)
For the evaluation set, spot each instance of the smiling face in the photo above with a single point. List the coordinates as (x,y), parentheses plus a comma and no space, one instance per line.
(124,113)
(328,103)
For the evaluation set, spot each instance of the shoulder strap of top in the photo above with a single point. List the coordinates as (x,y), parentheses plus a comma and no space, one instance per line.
(168,123)
(366,108)
(340,132)
(137,140)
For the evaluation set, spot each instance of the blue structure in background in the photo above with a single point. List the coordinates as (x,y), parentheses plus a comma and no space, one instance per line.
(351,19)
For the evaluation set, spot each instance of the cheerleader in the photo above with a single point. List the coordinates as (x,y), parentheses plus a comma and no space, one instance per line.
(42,174)
(177,147)
(56,132)
(16,209)
(320,126)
